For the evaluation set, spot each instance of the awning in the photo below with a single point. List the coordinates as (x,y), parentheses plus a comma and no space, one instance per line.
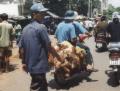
(53,15)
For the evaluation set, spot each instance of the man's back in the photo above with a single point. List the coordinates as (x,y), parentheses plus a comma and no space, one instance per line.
(101,26)
(35,42)
(114,30)
(79,29)
(5,30)
(65,32)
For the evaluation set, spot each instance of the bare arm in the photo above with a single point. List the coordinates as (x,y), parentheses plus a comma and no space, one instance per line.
(54,53)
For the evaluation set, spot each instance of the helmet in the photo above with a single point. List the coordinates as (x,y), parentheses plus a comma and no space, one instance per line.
(72,15)
(69,15)
(115,15)
(38,7)
(103,18)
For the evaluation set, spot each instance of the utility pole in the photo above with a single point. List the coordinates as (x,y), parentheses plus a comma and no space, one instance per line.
(70,4)
(89,8)
(91,4)
(102,7)
(22,8)
(27,6)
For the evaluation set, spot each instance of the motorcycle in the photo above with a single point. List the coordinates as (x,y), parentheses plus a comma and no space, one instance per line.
(101,41)
(62,79)
(68,70)
(114,57)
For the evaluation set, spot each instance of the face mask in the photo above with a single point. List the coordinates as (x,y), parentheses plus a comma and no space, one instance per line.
(116,20)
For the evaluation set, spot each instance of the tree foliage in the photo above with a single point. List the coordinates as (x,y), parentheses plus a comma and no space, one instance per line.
(57,6)
(60,6)
(112,9)
(118,9)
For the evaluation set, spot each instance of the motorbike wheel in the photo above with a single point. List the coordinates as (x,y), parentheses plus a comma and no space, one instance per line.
(118,75)
(115,79)
(59,77)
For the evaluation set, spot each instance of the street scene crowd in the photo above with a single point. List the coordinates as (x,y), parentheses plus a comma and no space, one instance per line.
(65,54)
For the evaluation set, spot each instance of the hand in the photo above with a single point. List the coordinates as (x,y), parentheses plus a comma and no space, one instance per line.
(90,35)
(57,64)
(24,68)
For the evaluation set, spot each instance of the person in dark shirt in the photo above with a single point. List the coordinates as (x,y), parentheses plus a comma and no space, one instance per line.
(101,26)
(34,46)
(101,29)
(113,30)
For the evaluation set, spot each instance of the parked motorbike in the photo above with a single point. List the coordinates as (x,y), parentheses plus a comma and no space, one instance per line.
(101,41)
(114,57)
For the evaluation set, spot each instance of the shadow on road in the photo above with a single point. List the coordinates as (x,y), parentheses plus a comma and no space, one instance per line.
(113,78)
(10,68)
(74,81)
(101,50)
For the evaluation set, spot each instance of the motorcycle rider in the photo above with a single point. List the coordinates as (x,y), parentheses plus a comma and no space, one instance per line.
(80,30)
(65,30)
(69,30)
(101,28)
(114,29)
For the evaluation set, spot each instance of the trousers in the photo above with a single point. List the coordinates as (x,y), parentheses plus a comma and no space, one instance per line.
(89,58)
(38,82)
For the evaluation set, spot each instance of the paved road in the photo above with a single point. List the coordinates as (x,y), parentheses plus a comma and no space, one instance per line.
(17,80)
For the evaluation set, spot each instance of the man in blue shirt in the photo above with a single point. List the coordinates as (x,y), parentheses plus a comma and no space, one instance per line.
(79,28)
(69,30)
(65,30)
(34,46)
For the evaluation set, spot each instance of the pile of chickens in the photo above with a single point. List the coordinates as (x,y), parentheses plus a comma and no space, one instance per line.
(73,57)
